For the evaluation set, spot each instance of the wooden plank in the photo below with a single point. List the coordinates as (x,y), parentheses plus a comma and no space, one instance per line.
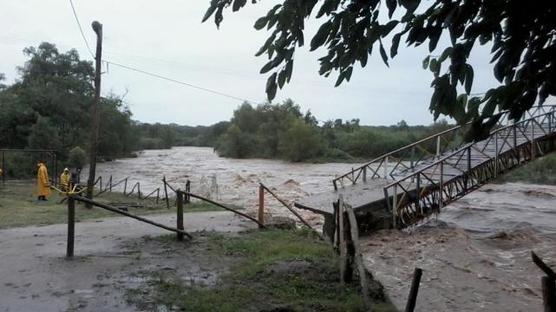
(166,192)
(261,204)
(548,294)
(71,227)
(223,206)
(179,219)
(118,211)
(354,229)
(545,268)
(289,206)
(412,298)
(342,241)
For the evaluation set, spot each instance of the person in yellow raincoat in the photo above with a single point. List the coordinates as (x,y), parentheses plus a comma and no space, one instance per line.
(65,180)
(43,184)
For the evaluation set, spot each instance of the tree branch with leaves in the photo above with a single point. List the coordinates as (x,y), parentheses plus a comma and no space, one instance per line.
(522,37)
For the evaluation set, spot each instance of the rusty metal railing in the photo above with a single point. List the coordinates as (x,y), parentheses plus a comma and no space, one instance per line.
(402,161)
(428,188)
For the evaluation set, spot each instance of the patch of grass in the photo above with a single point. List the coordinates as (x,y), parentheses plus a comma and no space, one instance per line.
(277,271)
(19,206)
(266,247)
(538,171)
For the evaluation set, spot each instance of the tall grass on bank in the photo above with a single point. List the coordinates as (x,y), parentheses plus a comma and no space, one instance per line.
(538,171)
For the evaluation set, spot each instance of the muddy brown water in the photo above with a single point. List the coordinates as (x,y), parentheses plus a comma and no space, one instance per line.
(475,254)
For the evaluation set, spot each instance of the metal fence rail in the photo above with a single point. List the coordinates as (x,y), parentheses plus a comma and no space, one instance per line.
(425,190)
(400,162)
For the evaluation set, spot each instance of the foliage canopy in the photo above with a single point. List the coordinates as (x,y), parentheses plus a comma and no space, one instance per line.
(522,37)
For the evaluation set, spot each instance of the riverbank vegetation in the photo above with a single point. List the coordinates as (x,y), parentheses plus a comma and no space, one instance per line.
(538,171)
(270,270)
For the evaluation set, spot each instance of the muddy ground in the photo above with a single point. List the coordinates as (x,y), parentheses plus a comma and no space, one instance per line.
(111,256)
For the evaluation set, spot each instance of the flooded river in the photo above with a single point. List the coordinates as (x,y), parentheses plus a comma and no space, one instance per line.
(475,255)
(233,181)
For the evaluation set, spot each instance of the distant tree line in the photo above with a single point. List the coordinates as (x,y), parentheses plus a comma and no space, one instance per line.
(283,131)
(48,107)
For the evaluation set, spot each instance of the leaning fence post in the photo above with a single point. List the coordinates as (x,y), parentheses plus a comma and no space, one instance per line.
(346,269)
(412,299)
(71,227)
(188,190)
(261,206)
(356,254)
(138,190)
(179,225)
(110,187)
(125,185)
(548,294)
(166,192)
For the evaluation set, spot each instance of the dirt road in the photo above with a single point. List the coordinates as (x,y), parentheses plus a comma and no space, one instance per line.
(110,255)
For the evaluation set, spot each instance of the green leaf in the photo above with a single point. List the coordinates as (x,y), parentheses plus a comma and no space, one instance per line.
(426,62)
(320,37)
(267,67)
(289,69)
(388,27)
(267,44)
(434,66)
(238,4)
(447,52)
(395,45)
(341,78)
(468,78)
(271,87)
(391,4)
(489,108)
(281,78)
(349,71)
(434,36)
(383,55)
(261,23)
(210,11)
(409,5)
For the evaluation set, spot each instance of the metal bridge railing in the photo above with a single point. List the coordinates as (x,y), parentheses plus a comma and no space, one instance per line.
(427,189)
(407,159)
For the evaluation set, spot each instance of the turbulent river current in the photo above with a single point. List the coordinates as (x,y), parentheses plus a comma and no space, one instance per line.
(475,254)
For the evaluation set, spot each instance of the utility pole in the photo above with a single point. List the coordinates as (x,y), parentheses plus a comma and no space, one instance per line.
(97,27)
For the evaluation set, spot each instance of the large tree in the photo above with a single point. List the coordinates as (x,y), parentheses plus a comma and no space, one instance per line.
(48,107)
(522,36)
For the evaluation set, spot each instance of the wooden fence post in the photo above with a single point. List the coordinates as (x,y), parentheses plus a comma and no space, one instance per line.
(179,202)
(261,205)
(412,298)
(71,227)
(346,248)
(357,257)
(166,192)
(188,190)
(548,294)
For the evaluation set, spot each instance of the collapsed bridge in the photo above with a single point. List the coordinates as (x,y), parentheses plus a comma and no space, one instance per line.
(405,186)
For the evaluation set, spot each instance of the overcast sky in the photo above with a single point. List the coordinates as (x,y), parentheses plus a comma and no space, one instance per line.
(167,38)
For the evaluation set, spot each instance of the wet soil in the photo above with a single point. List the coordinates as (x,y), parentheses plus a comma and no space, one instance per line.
(111,257)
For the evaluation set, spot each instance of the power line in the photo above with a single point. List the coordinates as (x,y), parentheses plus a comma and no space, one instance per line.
(80,28)
(149,73)
(177,81)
